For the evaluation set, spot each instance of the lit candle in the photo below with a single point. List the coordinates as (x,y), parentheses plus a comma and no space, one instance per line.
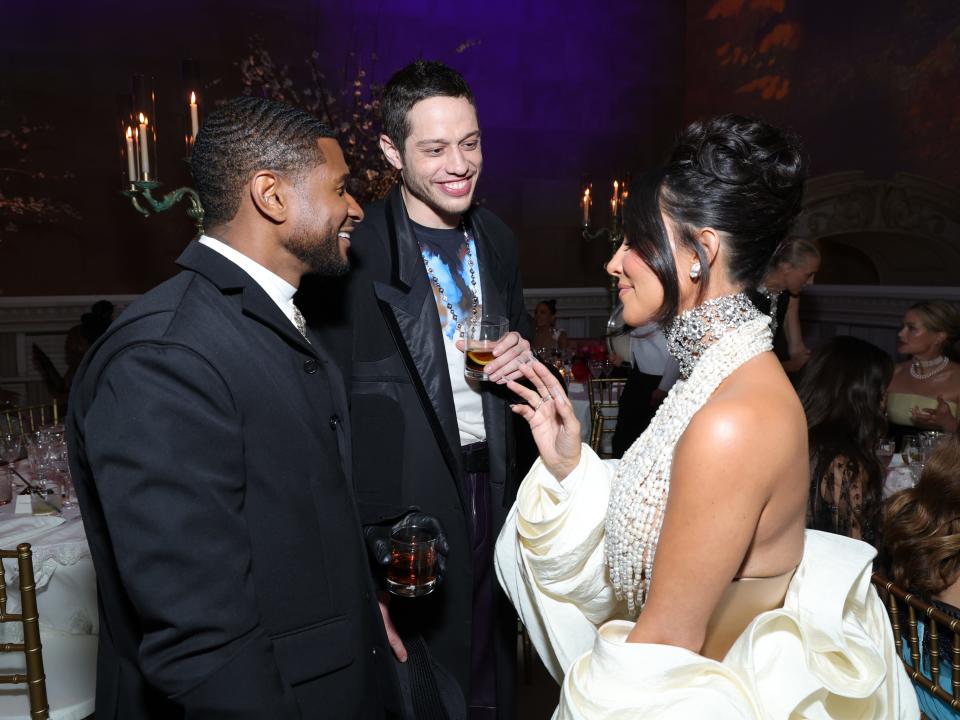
(144,153)
(585,204)
(614,203)
(131,160)
(194,117)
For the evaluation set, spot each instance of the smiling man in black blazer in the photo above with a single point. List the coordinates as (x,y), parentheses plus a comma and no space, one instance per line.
(425,261)
(210,446)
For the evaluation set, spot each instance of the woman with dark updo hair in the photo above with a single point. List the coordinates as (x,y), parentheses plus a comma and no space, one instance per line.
(679,581)
(546,336)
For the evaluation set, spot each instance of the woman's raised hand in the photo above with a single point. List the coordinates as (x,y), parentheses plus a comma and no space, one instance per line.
(553,423)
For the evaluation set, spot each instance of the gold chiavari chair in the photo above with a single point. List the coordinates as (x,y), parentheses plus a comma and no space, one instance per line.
(29,617)
(604,394)
(31,418)
(934,621)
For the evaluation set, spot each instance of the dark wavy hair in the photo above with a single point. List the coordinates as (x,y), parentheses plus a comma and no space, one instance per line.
(242,136)
(737,175)
(842,393)
(550,304)
(417,81)
(922,525)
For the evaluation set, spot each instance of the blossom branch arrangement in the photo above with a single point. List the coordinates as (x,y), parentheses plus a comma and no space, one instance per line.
(20,200)
(354,113)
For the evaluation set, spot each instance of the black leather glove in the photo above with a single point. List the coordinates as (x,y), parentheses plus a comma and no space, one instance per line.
(378,539)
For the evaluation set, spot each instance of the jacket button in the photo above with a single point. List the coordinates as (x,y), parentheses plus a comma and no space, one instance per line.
(334,421)
(311,366)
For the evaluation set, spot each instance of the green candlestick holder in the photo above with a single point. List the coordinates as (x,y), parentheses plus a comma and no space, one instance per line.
(141,195)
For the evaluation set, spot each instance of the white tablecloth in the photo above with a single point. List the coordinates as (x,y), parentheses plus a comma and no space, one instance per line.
(581,407)
(899,476)
(66,583)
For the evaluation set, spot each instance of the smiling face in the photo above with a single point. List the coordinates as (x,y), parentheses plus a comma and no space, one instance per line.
(326,215)
(916,339)
(638,287)
(441,160)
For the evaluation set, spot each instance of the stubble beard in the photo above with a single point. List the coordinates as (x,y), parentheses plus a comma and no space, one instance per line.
(322,257)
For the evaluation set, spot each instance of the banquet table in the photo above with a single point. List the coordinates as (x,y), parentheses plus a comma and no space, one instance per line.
(899,476)
(66,601)
(581,407)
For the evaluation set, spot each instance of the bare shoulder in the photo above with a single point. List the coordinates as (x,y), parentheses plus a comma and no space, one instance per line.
(737,426)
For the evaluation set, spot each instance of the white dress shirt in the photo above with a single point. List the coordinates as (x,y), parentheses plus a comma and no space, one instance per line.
(279,290)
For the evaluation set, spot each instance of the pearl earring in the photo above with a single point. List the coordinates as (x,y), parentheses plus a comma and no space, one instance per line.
(695,270)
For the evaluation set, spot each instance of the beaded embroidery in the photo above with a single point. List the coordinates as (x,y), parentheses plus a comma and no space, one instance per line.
(710,342)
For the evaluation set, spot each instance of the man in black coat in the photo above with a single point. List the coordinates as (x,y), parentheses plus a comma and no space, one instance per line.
(424,262)
(210,446)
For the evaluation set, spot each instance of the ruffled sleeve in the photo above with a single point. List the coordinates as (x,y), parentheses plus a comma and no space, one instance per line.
(549,559)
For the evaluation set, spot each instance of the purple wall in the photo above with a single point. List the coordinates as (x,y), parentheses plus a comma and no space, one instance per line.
(563,88)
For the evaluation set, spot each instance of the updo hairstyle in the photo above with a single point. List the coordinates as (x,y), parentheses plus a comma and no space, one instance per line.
(922,525)
(737,175)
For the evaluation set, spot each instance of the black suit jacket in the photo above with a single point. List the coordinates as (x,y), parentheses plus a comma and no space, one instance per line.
(210,448)
(406,445)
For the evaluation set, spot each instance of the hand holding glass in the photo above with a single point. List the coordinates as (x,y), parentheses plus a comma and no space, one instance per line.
(480,336)
(413,561)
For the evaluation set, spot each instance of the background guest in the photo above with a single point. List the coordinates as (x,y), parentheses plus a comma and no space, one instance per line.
(80,337)
(653,372)
(547,337)
(842,393)
(792,269)
(922,537)
(925,390)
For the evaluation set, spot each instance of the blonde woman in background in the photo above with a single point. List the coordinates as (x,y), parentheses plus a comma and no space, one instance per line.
(925,390)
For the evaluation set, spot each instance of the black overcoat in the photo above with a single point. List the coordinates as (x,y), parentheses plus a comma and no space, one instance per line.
(210,447)
(406,445)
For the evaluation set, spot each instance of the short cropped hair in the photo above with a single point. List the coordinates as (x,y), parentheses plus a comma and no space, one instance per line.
(242,136)
(417,81)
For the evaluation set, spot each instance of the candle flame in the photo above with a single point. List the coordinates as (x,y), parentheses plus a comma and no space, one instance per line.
(193,98)
(129,132)
(143,119)
(586,194)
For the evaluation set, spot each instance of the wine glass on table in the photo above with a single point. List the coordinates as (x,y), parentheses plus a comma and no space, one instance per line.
(885,451)
(912,454)
(10,449)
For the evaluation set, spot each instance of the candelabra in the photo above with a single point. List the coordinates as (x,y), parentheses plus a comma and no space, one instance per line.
(612,234)
(138,149)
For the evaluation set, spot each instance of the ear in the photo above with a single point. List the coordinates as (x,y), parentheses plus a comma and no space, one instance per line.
(391,152)
(270,196)
(710,241)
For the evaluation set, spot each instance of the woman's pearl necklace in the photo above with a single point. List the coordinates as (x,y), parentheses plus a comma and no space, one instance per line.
(710,342)
(932,367)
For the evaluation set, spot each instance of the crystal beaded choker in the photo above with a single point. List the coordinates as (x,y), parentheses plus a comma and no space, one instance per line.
(693,331)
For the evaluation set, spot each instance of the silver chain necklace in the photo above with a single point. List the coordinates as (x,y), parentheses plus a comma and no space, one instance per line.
(473,283)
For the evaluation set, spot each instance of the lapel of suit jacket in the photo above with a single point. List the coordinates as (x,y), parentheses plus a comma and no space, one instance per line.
(412,313)
(492,280)
(255,304)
